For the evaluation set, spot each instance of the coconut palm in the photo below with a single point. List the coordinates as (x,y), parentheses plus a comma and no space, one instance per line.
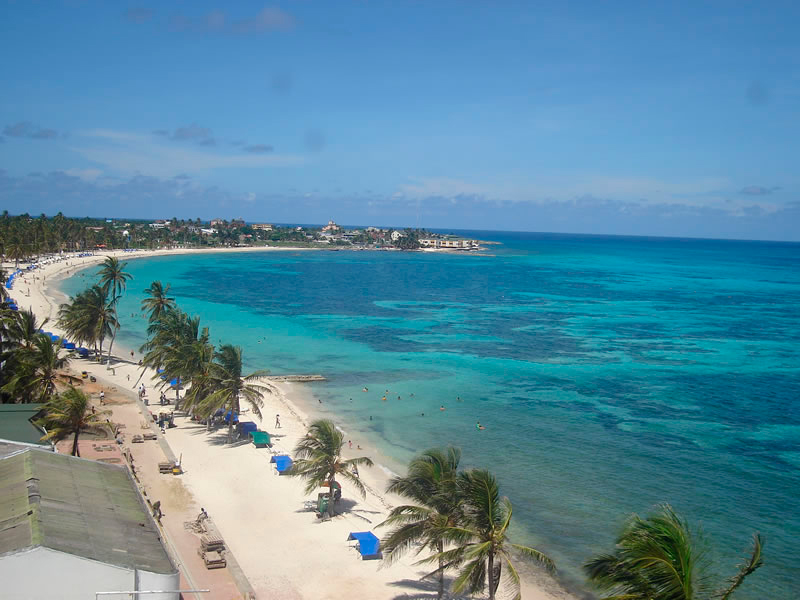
(24,328)
(35,370)
(89,317)
(481,539)
(70,413)
(656,558)
(3,290)
(318,460)
(157,303)
(113,280)
(431,485)
(228,387)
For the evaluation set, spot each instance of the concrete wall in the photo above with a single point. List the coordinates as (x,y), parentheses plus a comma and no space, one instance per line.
(45,574)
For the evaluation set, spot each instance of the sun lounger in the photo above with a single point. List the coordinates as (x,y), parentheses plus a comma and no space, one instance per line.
(211,543)
(149,436)
(137,439)
(214,560)
(165,467)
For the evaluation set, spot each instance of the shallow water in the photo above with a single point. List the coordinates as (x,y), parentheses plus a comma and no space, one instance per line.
(611,373)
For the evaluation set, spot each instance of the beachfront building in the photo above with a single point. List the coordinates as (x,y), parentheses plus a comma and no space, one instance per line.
(71,527)
(217,222)
(444,243)
(331,226)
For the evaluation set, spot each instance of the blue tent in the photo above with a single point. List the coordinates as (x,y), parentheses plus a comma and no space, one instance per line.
(245,427)
(83,352)
(282,462)
(69,346)
(369,546)
(227,418)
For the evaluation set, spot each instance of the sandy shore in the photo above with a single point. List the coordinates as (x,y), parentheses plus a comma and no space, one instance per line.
(282,548)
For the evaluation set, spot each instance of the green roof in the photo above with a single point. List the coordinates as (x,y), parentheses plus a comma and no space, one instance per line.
(16,425)
(85,508)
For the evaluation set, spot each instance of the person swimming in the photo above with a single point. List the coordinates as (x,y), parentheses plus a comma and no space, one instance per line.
(441,407)
(479,426)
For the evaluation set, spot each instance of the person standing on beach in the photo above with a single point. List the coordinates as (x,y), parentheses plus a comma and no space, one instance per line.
(277,421)
(102,396)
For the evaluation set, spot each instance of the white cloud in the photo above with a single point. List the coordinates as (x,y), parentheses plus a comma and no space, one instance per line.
(130,152)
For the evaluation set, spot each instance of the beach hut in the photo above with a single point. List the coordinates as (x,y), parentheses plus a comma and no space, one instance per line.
(283,463)
(260,439)
(368,544)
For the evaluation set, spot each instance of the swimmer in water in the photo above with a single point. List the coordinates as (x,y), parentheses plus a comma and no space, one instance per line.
(384,398)
(441,407)
(479,426)
(365,389)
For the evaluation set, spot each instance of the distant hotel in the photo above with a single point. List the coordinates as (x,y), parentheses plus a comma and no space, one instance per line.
(449,244)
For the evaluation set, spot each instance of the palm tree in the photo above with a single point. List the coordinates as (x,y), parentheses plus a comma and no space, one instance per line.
(25,328)
(431,485)
(158,303)
(70,414)
(88,317)
(113,279)
(3,290)
(481,540)
(318,460)
(228,386)
(657,559)
(35,370)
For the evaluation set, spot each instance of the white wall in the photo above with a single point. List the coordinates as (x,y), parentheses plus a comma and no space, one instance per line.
(45,574)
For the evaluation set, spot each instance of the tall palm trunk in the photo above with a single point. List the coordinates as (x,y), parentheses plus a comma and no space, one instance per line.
(440,549)
(332,482)
(492,584)
(75,451)
(110,346)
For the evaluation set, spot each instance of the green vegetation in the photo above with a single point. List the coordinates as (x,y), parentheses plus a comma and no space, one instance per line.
(461,519)
(23,237)
(30,360)
(658,558)
(431,485)
(178,348)
(318,460)
(70,413)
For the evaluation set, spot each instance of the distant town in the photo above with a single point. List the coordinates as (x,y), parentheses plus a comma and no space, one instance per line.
(24,235)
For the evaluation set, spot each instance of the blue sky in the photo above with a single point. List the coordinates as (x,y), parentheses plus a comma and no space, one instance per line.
(673,118)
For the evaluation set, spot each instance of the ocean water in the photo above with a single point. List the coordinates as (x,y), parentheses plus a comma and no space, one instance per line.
(611,373)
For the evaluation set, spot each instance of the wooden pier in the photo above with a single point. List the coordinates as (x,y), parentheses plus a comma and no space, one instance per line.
(297,378)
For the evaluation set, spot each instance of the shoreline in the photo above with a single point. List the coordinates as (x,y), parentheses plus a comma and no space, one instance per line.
(219,487)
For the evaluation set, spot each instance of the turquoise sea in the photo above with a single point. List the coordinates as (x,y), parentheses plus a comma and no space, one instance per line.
(611,373)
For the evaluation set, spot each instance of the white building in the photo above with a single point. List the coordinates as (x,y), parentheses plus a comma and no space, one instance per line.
(70,528)
(449,244)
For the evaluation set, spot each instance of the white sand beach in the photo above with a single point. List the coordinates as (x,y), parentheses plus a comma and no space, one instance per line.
(283,549)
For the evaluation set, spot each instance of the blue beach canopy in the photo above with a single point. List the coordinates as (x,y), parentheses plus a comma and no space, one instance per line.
(69,346)
(246,427)
(228,418)
(283,463)
(369,546)
(83,352)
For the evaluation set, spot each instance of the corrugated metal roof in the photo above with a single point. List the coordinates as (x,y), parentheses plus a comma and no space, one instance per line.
(81,507)
(15,423)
